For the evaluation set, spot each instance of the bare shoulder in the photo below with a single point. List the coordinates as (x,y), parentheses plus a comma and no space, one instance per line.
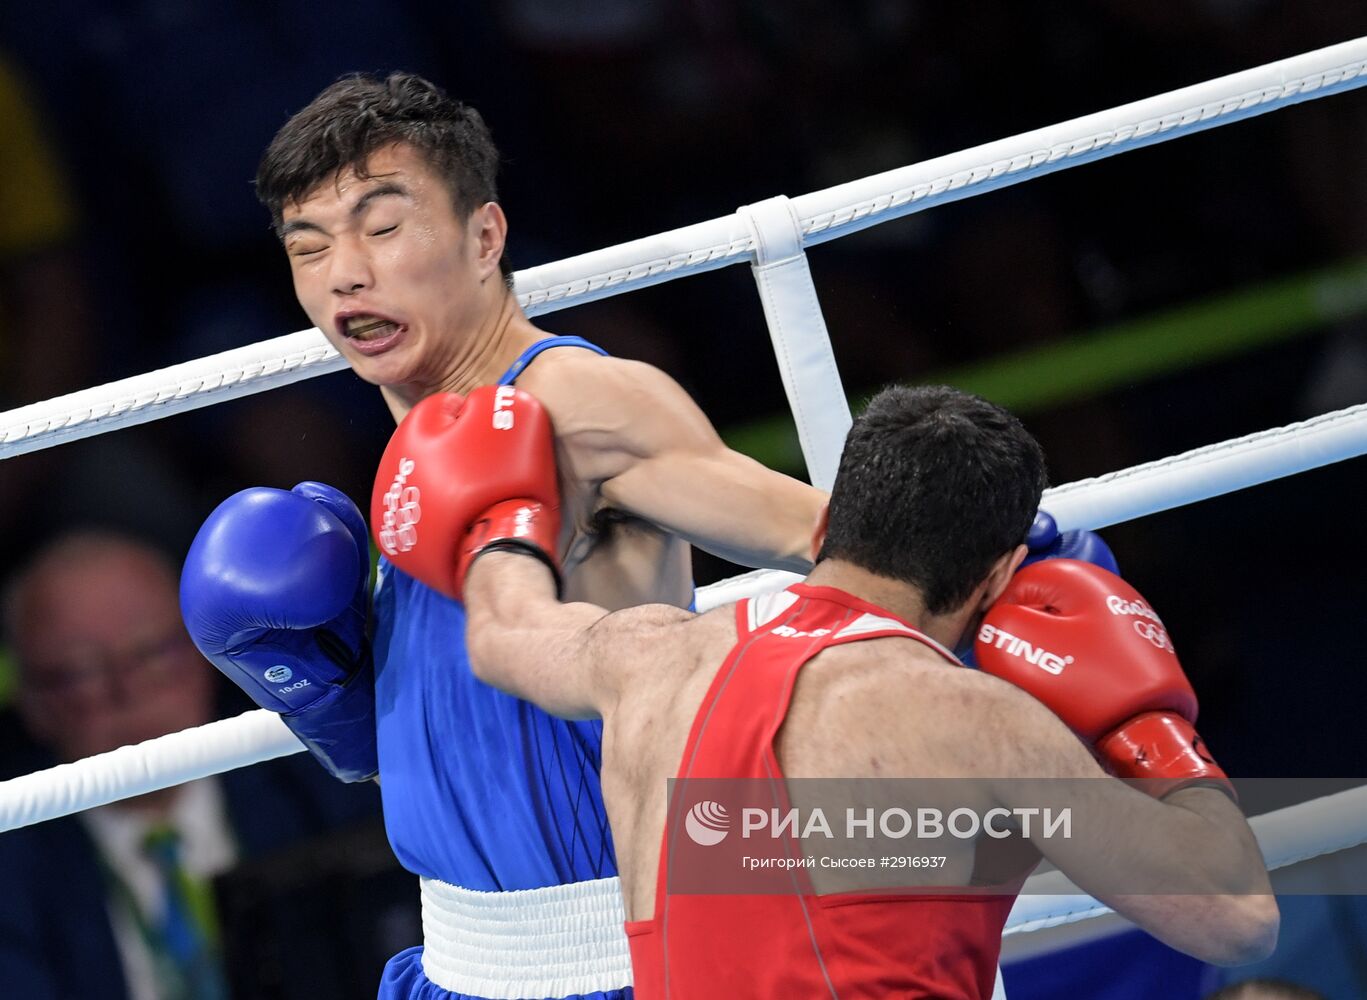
(614,405)
(623,633)
(658,636)
(643,641)
(663,673)
(587,391)
(916,714)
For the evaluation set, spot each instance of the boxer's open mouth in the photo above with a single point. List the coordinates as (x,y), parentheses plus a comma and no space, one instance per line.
(368,327)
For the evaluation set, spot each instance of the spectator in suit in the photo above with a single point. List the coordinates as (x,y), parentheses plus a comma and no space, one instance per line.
(117,903)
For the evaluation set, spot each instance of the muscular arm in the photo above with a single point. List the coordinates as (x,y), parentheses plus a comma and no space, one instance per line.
(1195,841)
(566,658)
(633,429)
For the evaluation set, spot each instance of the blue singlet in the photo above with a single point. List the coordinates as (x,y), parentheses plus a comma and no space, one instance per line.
(481,789)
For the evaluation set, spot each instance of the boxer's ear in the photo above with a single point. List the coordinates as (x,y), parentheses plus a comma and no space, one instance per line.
(823,520)
(489,227)
(1000,575)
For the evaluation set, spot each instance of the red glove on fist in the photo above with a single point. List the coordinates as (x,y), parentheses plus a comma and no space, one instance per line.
(464,474)
(1087,645)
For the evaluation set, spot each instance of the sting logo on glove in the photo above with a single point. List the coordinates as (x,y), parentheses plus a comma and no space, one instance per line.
(1012,645)
(504,396)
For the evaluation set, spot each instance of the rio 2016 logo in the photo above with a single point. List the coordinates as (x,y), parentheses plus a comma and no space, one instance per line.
(1156,635)
(399,524)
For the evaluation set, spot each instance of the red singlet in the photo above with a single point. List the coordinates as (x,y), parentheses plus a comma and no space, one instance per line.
(784,946)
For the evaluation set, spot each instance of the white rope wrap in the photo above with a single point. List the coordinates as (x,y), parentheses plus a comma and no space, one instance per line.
(806,358)
(822,215)
(169,760)
(559,941)
(167,391)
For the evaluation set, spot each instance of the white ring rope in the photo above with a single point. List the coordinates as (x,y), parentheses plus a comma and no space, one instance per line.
(167,391)
(250,738)
(848,208)
(823,215)
(1210,471)
(1153,487)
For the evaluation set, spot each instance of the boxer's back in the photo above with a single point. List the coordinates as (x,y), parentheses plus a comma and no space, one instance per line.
(885,707)
(723,693)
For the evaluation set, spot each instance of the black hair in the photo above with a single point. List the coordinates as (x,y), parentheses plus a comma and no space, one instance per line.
(934,486)
(360,114)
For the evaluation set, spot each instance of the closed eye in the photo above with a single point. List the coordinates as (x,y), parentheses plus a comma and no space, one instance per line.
(386,229)
(305,247)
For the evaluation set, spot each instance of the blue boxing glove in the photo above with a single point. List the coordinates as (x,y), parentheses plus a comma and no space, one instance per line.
(1045,541)
(274,594)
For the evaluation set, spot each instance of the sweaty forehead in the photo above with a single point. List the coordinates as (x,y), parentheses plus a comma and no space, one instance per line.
(398,165)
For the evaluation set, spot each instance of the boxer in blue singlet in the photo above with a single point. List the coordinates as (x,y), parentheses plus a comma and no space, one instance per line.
(547,831)
(518,808)
(383,194)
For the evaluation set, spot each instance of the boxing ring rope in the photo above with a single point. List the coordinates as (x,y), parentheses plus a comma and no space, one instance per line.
(822,216)
(249,738)
(1287,836)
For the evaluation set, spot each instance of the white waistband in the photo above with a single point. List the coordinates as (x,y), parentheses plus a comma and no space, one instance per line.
(551,942)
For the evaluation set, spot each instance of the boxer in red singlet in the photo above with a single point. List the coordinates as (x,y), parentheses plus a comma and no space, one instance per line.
(850,675)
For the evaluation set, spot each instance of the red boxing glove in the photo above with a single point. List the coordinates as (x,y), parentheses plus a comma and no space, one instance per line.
(1087,645)
(463,475)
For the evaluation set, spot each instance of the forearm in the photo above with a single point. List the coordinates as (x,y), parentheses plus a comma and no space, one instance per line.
(1221,930)
(1222,823)
(1196,840)
(726,504)
(1229,917)
(765,520)
(1186,869)
(521,639)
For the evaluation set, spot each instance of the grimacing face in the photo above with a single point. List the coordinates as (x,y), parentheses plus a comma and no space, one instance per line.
(387,270)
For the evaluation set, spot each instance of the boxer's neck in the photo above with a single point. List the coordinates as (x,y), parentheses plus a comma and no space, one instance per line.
(480,358)
(903,600)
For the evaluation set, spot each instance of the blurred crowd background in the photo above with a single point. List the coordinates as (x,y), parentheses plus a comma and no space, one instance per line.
(1218,283)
